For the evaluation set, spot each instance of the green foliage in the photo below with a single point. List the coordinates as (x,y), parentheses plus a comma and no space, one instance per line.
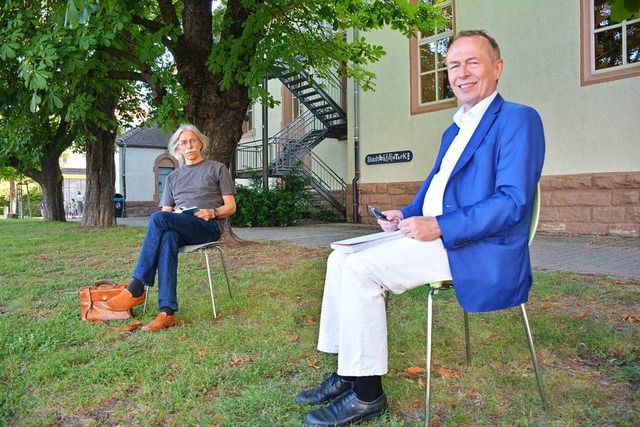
(295,34)
(29,204)
(326,215)
(624,9)
(280,205)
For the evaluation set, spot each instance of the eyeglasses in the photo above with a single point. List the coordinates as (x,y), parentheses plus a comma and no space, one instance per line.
(191,141)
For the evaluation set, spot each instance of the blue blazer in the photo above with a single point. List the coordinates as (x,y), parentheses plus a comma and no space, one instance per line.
(487,206)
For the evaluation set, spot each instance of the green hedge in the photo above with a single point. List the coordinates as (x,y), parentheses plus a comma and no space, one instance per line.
(280,205)
(35,195)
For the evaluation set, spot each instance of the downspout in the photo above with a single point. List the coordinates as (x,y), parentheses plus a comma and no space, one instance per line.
(123,173)
(265,137)
(355,192)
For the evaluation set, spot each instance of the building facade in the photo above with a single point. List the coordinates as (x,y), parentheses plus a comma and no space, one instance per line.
(568,60)
(142,163)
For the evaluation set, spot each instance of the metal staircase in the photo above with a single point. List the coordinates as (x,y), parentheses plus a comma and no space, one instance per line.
(321,98)
(291,149)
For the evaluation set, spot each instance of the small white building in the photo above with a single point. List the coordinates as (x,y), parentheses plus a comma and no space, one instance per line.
(142,163)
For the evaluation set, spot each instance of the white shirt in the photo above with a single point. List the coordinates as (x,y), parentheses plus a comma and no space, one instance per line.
(467,121)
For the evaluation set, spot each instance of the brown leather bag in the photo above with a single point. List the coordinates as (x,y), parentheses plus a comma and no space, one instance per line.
(102,291)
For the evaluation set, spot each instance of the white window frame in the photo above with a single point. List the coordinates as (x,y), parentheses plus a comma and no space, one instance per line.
(417,106)
(589,74)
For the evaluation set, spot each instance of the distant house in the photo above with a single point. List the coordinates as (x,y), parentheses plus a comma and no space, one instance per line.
(142,163)
(74,169)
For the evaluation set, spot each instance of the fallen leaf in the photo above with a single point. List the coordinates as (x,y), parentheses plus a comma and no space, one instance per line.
(415,370)
(447,373)
(631,318)
(240,361)
(294,338)
(417,404)
(472,392)
(310,322)
(313,363)
(581,315)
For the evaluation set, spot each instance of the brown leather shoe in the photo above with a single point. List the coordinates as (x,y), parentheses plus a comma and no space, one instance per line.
(121,302)
(163,320)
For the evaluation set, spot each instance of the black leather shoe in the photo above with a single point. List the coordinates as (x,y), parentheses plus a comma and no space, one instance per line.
(329,388)
(345,410)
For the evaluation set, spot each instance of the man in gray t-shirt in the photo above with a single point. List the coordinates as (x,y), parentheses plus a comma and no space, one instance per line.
(197,198)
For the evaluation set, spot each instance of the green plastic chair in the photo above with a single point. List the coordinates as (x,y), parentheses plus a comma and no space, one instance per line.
(448,285)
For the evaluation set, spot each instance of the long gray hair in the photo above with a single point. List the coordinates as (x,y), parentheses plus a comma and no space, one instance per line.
(173,141)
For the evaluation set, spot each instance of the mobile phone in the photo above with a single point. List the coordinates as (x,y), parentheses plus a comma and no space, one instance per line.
(376,213)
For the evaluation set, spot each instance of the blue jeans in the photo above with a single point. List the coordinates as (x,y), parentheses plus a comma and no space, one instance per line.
(166,232)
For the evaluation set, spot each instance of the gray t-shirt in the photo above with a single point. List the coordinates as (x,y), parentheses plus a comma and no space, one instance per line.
(201,185)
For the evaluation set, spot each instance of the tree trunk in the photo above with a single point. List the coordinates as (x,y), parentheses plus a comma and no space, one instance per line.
(221,120)
(98,204)
(13,198)
(50,179)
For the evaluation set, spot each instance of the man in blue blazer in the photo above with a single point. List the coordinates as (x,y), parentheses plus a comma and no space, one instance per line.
(469,221)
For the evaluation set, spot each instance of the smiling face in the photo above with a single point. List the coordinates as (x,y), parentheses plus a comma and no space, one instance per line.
(473,69)
(190,147)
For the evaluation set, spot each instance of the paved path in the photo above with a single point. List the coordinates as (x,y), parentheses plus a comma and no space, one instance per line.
(602,255)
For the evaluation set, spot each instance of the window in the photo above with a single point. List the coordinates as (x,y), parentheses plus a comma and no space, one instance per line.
(247,126)
(430,89)
(610,50)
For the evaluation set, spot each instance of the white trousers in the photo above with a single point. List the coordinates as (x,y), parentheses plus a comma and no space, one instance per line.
(353,320)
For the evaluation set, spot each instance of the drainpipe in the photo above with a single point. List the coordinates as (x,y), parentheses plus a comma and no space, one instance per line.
(355,192)
(265,137)
(123,174)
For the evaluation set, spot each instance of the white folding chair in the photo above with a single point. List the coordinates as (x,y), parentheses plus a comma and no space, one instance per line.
(204,248)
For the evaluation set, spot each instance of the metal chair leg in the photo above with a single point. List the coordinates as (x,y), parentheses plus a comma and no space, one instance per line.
(466,336)
(427,399)
(224,268)
(146,295)
(534,359)
(213,300)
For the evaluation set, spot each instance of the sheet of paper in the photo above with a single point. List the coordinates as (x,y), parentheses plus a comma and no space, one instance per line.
(359,243)
(187,211)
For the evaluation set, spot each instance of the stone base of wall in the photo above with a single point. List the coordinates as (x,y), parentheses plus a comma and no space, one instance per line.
(140,208)
(599,203)
(382,196)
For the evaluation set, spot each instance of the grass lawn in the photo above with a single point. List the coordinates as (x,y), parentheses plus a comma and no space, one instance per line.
(245,367)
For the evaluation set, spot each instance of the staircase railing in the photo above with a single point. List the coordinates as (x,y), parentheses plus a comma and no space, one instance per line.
(323,118)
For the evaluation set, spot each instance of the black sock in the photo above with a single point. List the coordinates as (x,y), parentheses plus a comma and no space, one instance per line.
(368,389)
(167,310)
(136,287)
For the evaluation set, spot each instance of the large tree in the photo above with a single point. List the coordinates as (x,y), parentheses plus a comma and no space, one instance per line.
(56,95)
(199,63)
